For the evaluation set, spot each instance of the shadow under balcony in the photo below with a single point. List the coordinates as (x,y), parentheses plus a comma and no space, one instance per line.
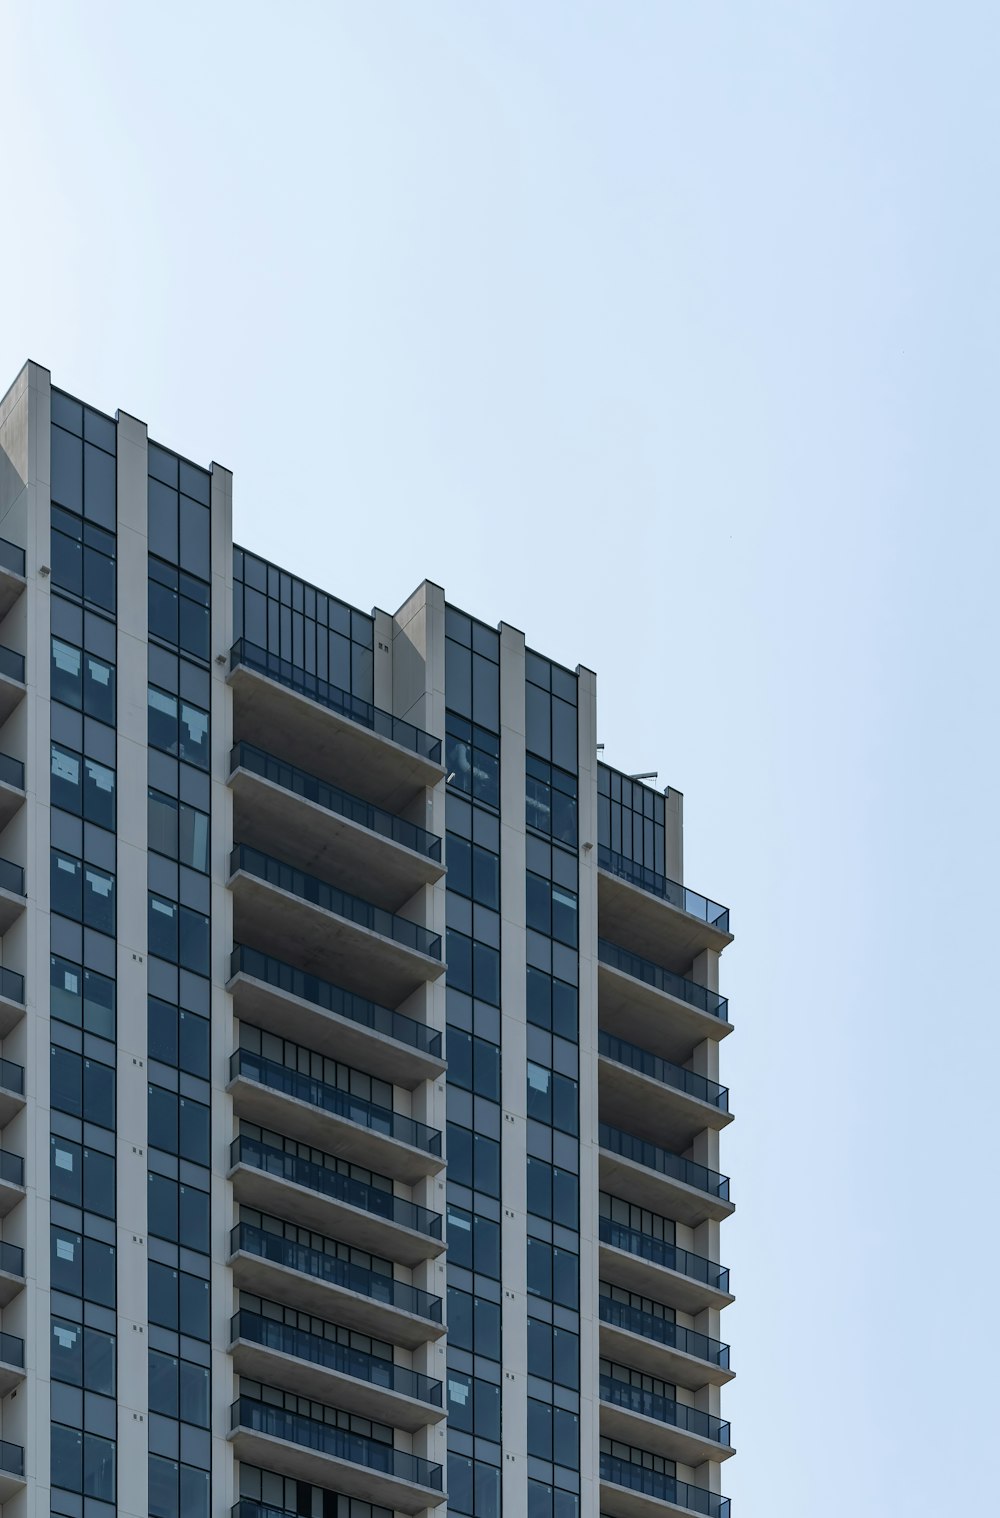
(11,1181)
(328,931)
(662,1102)
(629,1490)
(654,916)
(274,1096)
(279,1354)
(653,1007)
(661,1424)
(12,793)
(665,1272)
(11,1090)
(295,1004)
(12,1478)
(655,1345)
(329,732)
(11,1272)
(316,1197)
(308,1450)
(12,899)
(12,581)
(11,1362)
(659,1180)
(320,828)
(12,686)
(11,999)
(269,1265)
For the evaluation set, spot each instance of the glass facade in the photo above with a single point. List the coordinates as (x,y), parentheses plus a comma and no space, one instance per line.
(179,999)
(472,854)
(83,923)
(552,1082)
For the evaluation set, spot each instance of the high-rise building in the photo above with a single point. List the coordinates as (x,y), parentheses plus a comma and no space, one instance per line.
(359,1088)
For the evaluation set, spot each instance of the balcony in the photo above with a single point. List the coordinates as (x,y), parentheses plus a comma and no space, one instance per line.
(326,930)
(659,1347)
(314,1196)
(11,788)
(328,732)
(11,1469)
(12,581)
(661,1101)
(654,916)
(274,1096)
(12,685)
(269,1265)
(11,999)
(661,1424)
(11,1272)
(653,1007)
(664,1182)
(277,1353)
(321,828)
(633,1491)
(12,902)
(653,1268)
(11,1181)
(11,1090)
(308,1450)
(11,1362)
(319,1015)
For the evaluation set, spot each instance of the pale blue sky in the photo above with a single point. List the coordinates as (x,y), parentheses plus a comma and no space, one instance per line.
(669,333)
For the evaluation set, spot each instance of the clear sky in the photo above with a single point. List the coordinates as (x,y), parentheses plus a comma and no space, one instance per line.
(670,333)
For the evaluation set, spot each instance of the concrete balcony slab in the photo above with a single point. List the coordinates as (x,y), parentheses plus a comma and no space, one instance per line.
(652,1109)
(326,944)
(660,1193)
(652,927)
(326,1471)
(327,1130)
(329,1215)
(331,1387)
(380,1320)
(653,1019)
(323,843)
(327,744)
(313,1026)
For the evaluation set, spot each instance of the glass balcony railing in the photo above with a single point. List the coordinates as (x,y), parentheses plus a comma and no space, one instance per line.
(331,1183)
(12,772)
(663,1161)
(11,1077)
(308,888)
(11,1168)
(279,1423)
(331,998)
(278,1077)
(288,1340)
(11,985)
(12,1350)
(11,1459)
(664,1409)
(375,818)
(11,665)
(663,980)
(658,1252)
(662,1070)
(11,877)
(340,701)
(11,1259)
(334,1271)
(670,891)
(11,557)
(666,1488)
(662,1331)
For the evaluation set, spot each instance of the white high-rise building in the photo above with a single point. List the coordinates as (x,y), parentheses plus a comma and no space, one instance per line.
(359,1089)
